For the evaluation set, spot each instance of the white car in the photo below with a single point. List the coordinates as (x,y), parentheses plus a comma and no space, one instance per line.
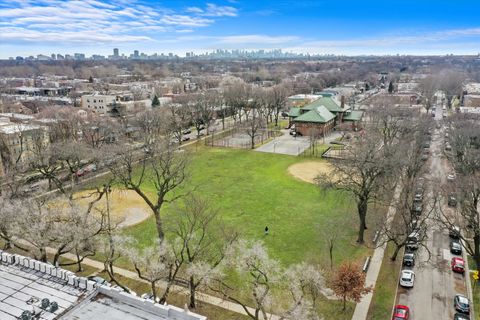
(451,177)
(407,278)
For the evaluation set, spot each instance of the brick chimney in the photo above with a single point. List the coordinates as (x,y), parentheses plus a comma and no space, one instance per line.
(342,102)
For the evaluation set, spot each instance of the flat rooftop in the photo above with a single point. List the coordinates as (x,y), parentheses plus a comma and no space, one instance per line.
(104,307)
(24,282)
(22,288)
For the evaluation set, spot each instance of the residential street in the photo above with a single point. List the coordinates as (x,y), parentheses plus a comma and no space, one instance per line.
(435,283)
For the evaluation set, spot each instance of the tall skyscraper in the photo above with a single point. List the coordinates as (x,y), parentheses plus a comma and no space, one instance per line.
(115,52)
(135,53)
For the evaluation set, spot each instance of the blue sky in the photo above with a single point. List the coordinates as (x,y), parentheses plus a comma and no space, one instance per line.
(339,27)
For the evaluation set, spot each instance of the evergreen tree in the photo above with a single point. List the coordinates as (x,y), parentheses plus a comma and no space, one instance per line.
(155,102)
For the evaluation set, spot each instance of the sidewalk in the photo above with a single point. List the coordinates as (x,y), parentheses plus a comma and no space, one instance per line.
(219,302)
(361,310)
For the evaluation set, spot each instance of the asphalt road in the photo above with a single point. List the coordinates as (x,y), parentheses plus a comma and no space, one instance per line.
(435,284)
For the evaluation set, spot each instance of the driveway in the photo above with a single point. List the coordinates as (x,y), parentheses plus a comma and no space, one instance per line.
(286,144)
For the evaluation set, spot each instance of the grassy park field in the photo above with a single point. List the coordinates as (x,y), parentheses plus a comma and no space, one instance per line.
(252,190)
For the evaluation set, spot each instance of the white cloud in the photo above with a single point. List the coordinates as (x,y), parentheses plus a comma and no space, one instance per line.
(220,11)
(80,37)
(257,39)
(213,10)
(77,20)
(194,10)
(183,20)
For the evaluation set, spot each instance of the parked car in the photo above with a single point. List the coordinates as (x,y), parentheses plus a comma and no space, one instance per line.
(418,197)
(91,167)
(409,259)
(99,280)
(455,247)
(407,278)
(458,265)
(80,173)
(461,303)
(452,201)
(187,131)
(401,312)
(424,157)
(417,208)
(451,177)
(411,245)
(454,232)
(185,138)
(461,316)
(448,147)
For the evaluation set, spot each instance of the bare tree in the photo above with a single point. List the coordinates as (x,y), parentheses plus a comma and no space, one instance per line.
(165,169)
(362,173)
(428,86)
(152,264)
(451,82)
(201,241)
(251,261)
(278,96)
(290,293)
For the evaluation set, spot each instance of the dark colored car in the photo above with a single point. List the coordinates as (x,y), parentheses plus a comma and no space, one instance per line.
(187,131)
(454,232)
(461,316)
(417,208)
(409,259)
(461,304)
(452,201)
(455,248)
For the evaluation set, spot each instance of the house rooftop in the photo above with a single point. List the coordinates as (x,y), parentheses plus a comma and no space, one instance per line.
(354,115)
(319,114)
(11,128)
(332,105)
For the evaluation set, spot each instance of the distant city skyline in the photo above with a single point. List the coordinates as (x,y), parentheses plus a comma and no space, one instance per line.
(376,27)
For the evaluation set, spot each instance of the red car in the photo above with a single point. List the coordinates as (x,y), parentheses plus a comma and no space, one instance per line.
(401,313)
(458,265)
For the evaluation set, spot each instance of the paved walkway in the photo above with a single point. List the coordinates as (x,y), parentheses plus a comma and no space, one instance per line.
(219,302)
(361,310)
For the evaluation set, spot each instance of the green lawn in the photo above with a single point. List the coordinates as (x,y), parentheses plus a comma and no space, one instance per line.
(475,289)
(386,287)
(253,190)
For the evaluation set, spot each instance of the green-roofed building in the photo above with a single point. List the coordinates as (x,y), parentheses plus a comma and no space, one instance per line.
(325,113)
(318,121)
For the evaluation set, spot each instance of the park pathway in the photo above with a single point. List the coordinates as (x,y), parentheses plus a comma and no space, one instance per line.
(216,301)
(361,310)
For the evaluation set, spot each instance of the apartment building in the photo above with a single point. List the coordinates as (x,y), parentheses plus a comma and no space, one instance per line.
(17,141)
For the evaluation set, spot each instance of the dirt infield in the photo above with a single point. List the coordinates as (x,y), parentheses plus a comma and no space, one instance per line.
(307,171)
(126,207)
